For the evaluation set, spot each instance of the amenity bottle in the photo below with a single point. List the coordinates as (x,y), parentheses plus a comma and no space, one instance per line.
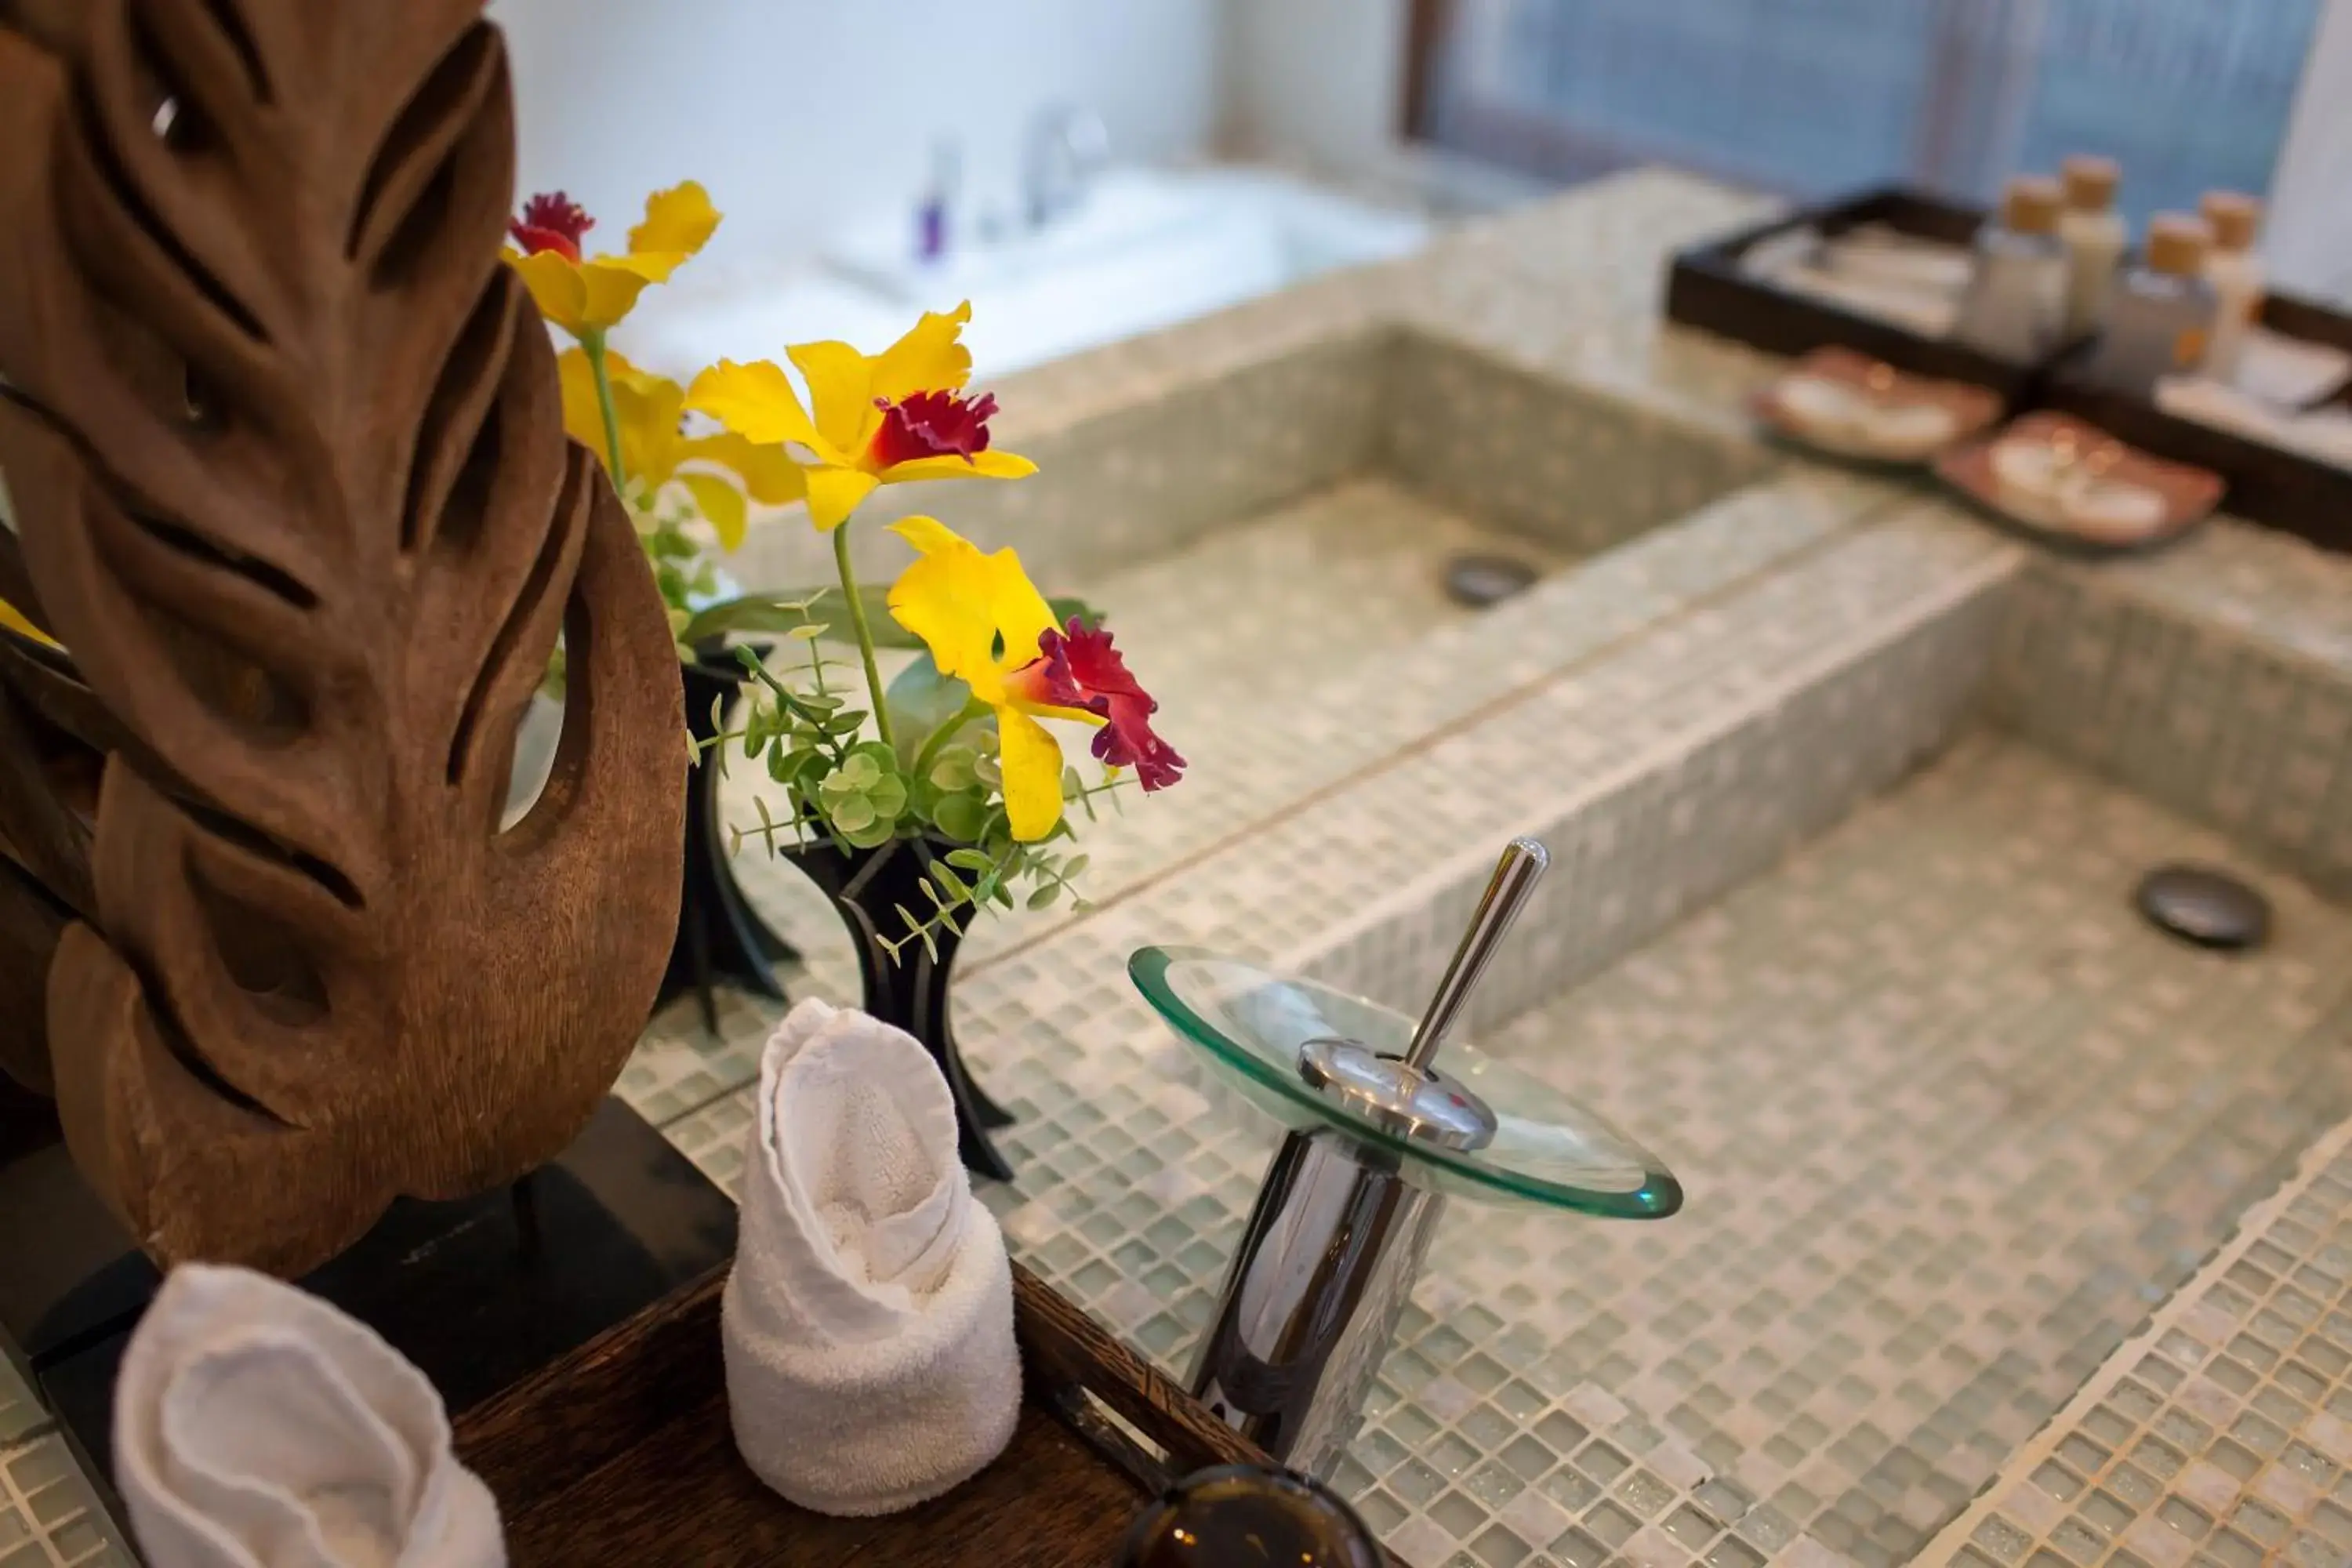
(2095,235)
(2162,315)
(2016,300)
(2235,273)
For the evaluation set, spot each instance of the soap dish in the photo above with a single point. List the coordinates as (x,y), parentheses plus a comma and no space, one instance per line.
(2070,485)
(1849,404)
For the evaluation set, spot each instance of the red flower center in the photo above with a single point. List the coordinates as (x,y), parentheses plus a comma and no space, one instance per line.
(1078,667)
(931,424)
(551,222)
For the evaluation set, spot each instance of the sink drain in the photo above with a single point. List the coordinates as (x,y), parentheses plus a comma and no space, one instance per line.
(1478,581)
(2210,907)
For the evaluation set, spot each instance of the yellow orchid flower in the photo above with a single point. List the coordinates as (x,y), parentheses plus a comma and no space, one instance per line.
(988,626)
(591,295)
(883,419)
(648,412)
(14,619)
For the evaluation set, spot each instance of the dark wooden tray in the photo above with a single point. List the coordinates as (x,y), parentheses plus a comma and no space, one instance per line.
(2288,490)
(621,1454)
(1707,288)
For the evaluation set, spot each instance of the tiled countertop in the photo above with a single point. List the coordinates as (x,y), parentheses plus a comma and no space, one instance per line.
(1514,1426)
(1573,1403)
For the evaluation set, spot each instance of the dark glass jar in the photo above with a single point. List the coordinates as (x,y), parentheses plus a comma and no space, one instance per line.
(1238,1516)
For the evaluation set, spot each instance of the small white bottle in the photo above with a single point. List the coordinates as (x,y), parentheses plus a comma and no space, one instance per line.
(2095,236)
(2016,299)
(2236,274)
(2161,316)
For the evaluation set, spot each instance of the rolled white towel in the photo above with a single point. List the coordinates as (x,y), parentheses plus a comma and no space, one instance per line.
(257,1426)
(868,1317)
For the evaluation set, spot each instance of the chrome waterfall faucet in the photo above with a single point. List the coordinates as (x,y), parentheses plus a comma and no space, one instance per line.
(1338,1231)
(1067,147)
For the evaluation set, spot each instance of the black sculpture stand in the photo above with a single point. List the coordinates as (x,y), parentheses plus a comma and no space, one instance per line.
(721,938)
(478,1292)
(911,991)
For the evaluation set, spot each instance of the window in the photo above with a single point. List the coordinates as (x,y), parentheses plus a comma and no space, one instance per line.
(1815,97)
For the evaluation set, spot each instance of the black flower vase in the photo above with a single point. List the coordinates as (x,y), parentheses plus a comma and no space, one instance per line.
(870,886)
(721,938)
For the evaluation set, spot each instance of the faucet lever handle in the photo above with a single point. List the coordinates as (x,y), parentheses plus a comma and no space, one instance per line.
(1515,874)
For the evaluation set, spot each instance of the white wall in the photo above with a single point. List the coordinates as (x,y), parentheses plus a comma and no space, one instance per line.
(1320,84)
(799,114)
(1321,80)
(2309,242)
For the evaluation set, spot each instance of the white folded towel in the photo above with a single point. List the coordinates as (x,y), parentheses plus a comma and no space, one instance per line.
(868,1318)
(257,1426)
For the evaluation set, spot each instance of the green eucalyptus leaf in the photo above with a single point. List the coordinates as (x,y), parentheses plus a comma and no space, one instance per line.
(954,886)
(986,771)
(885,760)
(1065,606)
(1075,867)
(872,835)
(1039,898)
(952,770)
(666,543)
(857,770)
(1002,894)
(888,795)
(962,817)
(971,861)
(852,813)
(847,724)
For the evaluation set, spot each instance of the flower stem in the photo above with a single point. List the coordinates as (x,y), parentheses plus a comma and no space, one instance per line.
(865,634)
(592,343)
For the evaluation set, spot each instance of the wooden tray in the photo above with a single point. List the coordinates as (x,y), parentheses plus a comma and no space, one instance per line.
(2288,490)
(1709,288)
(620,1455)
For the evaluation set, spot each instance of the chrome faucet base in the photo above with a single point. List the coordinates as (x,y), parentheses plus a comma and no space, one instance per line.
(1310,1306)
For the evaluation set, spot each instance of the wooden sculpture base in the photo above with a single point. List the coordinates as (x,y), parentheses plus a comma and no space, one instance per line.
(481,1293)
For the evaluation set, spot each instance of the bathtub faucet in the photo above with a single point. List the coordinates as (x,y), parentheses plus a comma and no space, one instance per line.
(1067,147)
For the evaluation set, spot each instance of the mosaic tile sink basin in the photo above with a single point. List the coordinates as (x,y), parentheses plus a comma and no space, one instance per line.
(1847,799)
(1858,957)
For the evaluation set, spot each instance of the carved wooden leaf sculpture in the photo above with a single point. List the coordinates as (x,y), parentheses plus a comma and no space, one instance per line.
(286,451)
